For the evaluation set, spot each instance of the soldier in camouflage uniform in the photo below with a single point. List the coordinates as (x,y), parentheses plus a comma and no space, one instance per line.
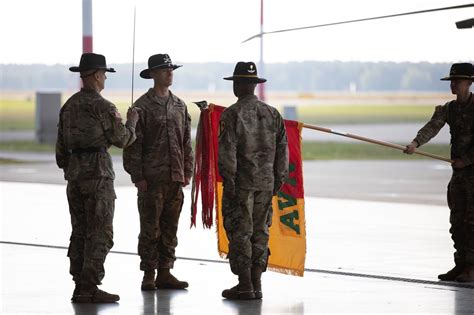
(459,115)
(253,162)
(160,163)
(88,126)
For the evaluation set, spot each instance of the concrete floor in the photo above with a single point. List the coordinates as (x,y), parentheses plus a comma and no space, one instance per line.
(362,257)
(39,285)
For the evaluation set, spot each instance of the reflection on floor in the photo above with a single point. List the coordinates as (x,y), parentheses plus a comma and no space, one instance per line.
(368,257)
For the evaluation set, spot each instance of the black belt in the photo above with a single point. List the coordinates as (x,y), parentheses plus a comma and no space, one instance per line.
(89,150)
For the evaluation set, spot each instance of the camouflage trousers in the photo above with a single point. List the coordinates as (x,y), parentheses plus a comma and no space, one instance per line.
(461,204)
(91,205)
(159,208)
(247,218)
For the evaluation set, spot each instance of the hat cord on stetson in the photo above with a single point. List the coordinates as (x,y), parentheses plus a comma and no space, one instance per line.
(88,75)
(246,75)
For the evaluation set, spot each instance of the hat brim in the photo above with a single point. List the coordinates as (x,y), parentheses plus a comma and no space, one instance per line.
(145,74)
(79,69)
(246,79)
(458,77)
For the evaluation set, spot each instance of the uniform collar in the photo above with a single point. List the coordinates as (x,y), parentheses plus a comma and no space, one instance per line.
(151,94)
(248,97)
(90,91)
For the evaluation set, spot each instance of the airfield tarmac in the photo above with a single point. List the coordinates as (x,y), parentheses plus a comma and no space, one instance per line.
(395,133)
(415,181)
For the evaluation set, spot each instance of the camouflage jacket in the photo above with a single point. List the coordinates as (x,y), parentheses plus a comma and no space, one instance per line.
(87,120)
(460,118)
(253,148)
(162,151)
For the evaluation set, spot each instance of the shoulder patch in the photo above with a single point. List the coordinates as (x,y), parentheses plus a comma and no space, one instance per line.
(116,115)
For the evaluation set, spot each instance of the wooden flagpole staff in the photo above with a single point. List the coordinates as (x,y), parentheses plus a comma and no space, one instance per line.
(386,144)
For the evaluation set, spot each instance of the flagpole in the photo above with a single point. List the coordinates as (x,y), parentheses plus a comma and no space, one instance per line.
(133,49)
(386,144)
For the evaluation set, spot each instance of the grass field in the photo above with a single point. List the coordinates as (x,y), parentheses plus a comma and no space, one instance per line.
(311,150)
(10,161)
(364,151)
(20,114)
(364,114)
(17,112)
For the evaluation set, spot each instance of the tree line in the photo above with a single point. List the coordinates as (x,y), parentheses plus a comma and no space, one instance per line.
(291,76)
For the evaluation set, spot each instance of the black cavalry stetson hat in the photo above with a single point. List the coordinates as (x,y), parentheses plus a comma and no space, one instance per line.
(91,61)
(246,72)
(463,71)
(159,61)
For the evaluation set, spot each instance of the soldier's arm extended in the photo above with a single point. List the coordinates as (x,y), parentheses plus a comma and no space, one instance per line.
(188,149)
(432,127)
(116,132)
(133,154)
(62,154)
(280,167)
(227,153)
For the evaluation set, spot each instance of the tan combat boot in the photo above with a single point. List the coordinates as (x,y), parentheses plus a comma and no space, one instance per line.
(165,280)
(243,290)
(92,294)
(452,274)
(148,282)
(257,282)
(467,275)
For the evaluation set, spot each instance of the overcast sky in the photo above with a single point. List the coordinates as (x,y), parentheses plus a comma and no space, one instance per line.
(50,31)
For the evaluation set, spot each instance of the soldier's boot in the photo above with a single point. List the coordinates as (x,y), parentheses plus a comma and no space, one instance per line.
(452,274)
(92,294)
(243,290)
(467,275)
(76,292)
(148,282)
(257,281)
(165,280)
